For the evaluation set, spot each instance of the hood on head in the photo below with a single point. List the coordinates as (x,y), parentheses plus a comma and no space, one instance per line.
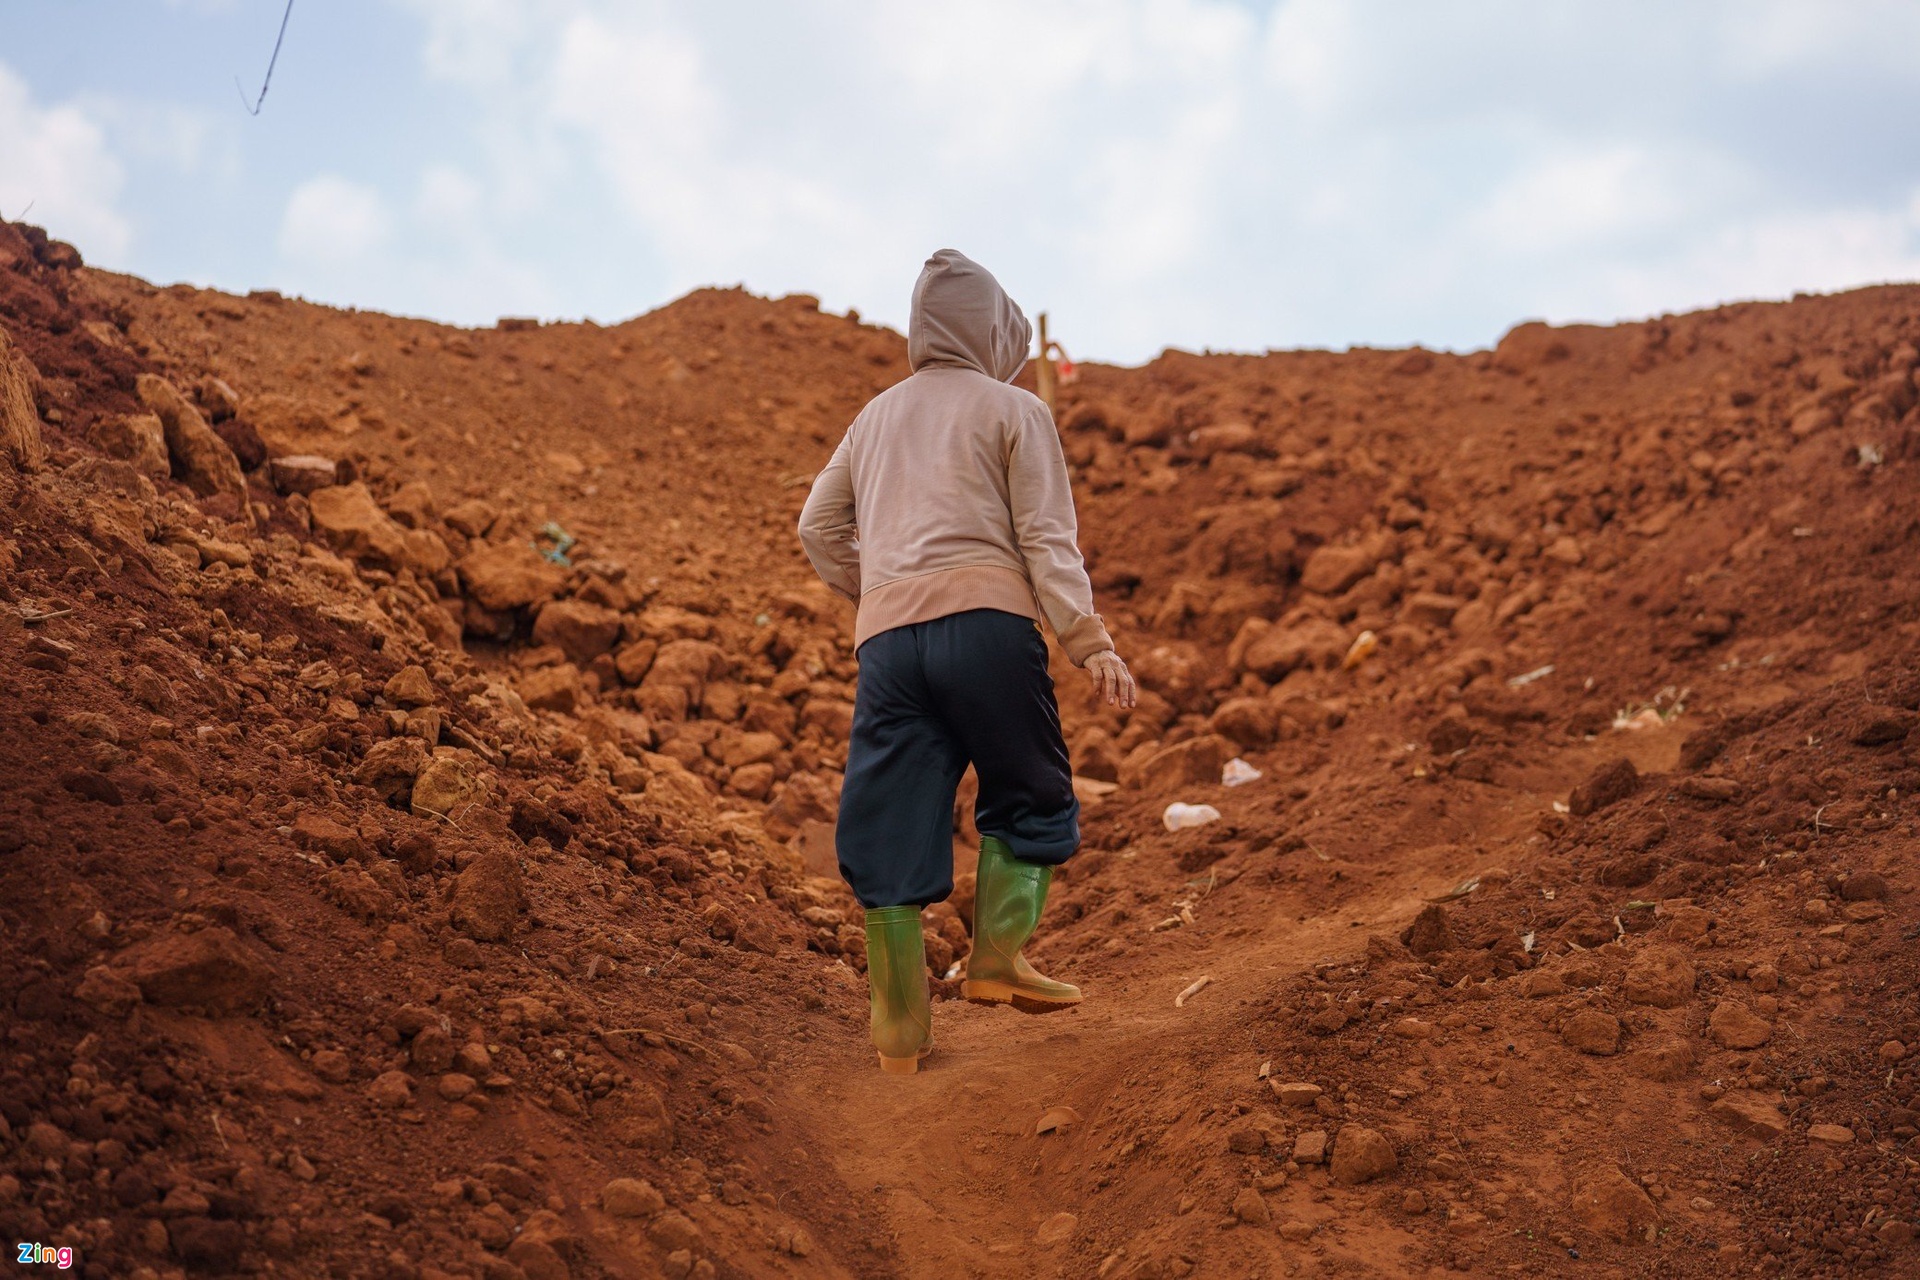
(963,318)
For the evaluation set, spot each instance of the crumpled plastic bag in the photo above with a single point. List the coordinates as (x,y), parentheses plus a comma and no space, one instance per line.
(1179,817)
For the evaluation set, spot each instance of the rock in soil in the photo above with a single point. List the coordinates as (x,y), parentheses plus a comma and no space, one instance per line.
(210,969)
(631,1198)
(391,1089)
(1251,1208)
(489,897)
(200,457)
(1749,1114)
(1430,933)
(1661,978)
(446,788)
(1360,1155)
(1608,785)
(510,575)
(1609,1203)
(1296,1094)
(1734,1026)
(1591,1031)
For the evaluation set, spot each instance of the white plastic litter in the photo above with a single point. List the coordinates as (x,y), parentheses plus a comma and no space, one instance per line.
(1237,773)
(1363,648)
(1199,985)
(1179,817)
(1538,673)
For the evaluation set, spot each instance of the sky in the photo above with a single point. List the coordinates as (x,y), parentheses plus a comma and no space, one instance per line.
(1206,174)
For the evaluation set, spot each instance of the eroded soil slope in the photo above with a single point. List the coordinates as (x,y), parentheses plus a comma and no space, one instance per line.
(415,858)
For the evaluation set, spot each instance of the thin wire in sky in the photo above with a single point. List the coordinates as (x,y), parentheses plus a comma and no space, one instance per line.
(253,109)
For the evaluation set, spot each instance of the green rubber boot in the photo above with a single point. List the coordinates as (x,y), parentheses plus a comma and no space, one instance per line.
(1009,896)
(897,988)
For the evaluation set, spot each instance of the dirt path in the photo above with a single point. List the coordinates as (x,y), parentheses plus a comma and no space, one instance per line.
(950,1157)
(952,1154)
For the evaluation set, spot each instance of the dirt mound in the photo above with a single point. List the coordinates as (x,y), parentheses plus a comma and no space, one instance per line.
(417,853)
(310,915)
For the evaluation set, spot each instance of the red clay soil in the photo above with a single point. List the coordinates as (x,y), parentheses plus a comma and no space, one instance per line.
(384,899)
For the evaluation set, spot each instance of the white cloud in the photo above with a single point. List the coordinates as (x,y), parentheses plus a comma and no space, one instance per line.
(835,147)
(448,197)
(722,187)
(1151,200)
(1573,199)
(330,219)
(56,167)
(175,138)
(484,42)
(1773,257)
(1198,171)
(433,251)
(1308,52)
(1762,37)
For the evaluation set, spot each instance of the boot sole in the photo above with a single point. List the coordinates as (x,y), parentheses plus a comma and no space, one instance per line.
(903,1066)
(987,992)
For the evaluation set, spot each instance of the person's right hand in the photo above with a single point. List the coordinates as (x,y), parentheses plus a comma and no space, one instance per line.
(1112,682)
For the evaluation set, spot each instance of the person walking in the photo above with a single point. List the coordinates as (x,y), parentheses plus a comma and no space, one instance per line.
(946,516)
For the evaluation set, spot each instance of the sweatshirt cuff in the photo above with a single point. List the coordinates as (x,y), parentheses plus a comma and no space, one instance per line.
(1085,638)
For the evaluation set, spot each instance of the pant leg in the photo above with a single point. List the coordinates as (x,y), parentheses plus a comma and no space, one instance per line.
(987,675)
(895,831)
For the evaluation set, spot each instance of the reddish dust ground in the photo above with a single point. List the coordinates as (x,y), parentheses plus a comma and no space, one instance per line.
(383,899)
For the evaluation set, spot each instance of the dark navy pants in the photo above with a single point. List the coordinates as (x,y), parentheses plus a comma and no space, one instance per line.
(934,696)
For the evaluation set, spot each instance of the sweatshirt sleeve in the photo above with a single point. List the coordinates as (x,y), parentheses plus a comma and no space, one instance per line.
(1043,523)
(827,530)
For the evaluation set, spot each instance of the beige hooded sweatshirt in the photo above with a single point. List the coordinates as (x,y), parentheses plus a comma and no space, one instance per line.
(949,491)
